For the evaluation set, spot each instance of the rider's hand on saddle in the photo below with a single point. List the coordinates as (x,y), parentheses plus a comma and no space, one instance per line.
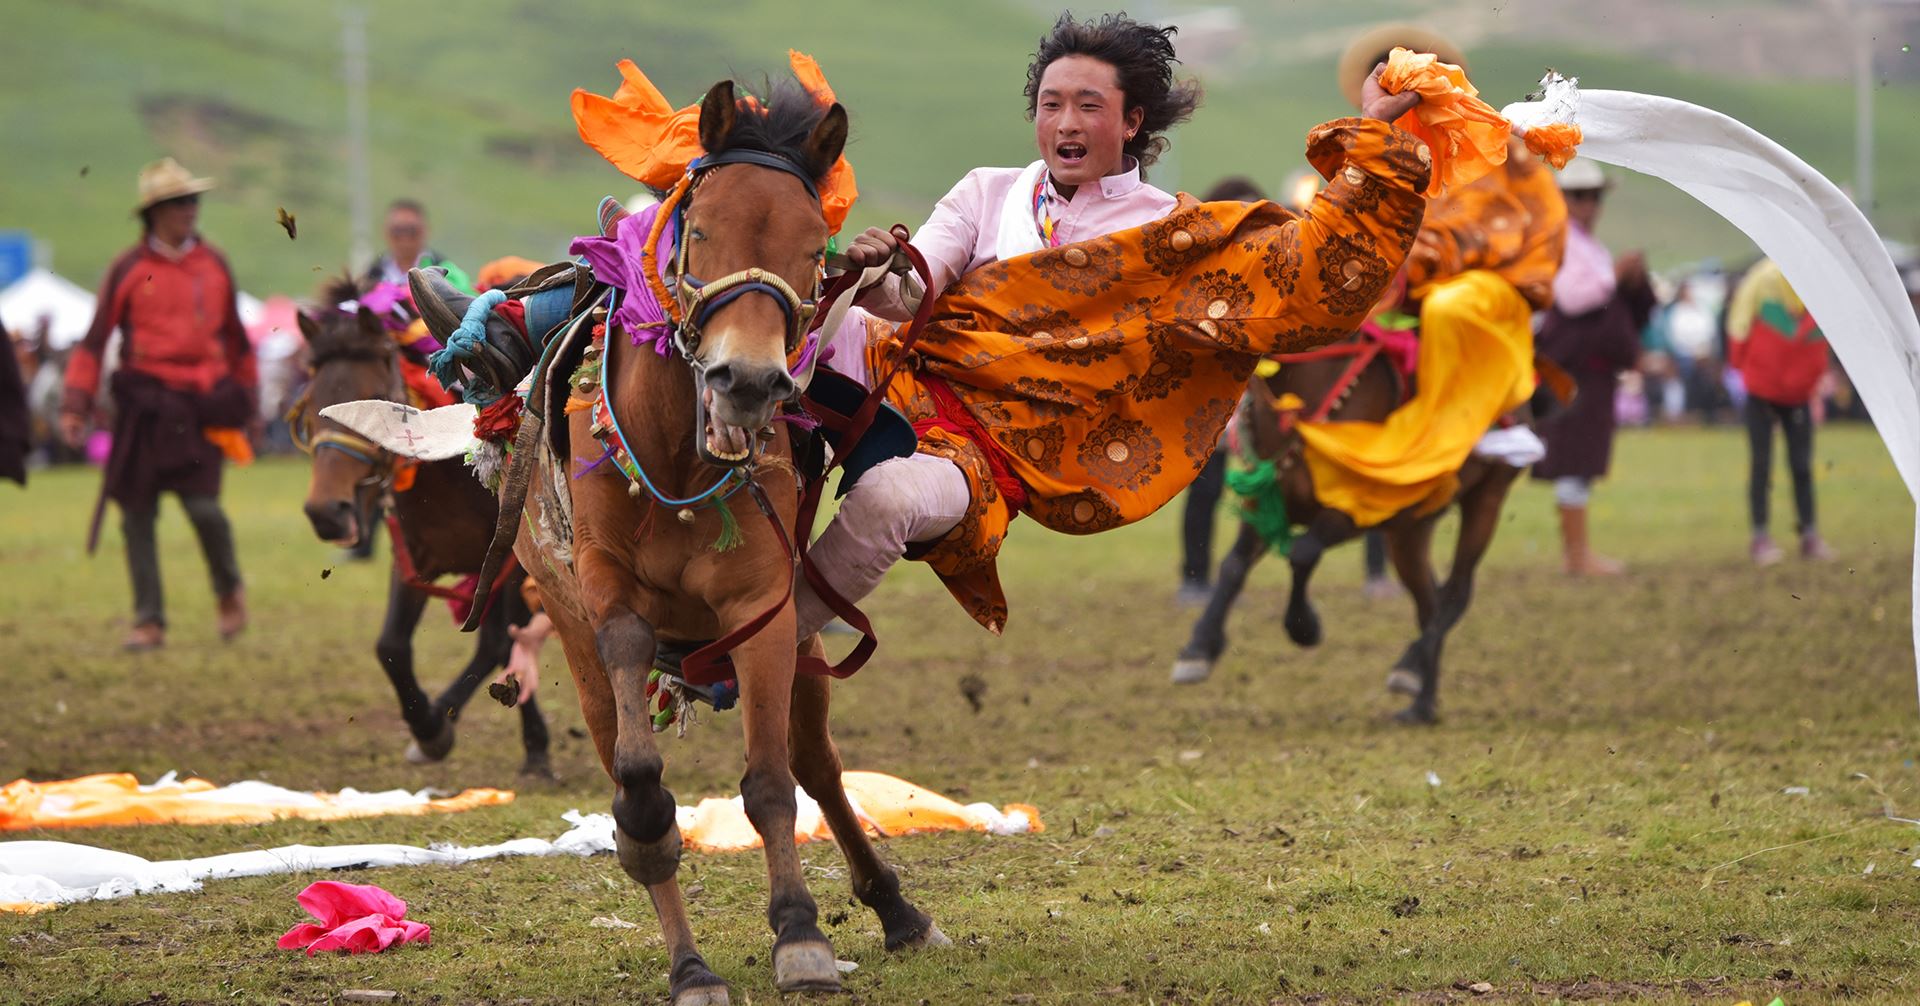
(873,247)
(73,429)
(1376,103)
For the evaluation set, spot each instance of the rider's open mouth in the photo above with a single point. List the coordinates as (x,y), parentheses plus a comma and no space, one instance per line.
(1070,153)
(727,443)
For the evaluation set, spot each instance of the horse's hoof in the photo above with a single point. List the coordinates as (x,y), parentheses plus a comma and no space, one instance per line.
(1303,628)
(926,938)
(805,966)
(538,766)
(433,749)
(1416,716)
(1191,670)
(653,862)
(704,995)
(1401,681)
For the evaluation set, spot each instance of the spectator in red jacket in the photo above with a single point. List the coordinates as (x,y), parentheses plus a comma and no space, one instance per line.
(186,372)
(1775,344)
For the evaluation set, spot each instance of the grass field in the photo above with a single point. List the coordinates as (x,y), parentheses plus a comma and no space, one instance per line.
(1610,821)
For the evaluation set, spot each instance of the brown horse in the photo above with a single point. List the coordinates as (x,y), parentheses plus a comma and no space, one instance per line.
(1367,397)
(625,552)
(445,519)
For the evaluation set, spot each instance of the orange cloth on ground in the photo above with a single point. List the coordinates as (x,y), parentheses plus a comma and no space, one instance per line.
(886,805)
(117,799)
(1468,136)
(1104,370)
(640,133)
(1476,364)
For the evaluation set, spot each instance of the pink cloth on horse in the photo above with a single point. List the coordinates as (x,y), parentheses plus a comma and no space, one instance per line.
(357,918)
(617,261)
(1400,346)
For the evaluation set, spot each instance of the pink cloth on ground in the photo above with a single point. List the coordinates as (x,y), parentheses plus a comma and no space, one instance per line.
(357,918)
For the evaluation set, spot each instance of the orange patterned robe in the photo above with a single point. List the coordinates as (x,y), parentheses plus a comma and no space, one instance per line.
(1102,372)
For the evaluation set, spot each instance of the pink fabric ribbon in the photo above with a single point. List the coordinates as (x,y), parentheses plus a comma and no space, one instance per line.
(357,918)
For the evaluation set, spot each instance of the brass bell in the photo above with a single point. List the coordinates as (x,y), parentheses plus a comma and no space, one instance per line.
(686,515)
(633,489)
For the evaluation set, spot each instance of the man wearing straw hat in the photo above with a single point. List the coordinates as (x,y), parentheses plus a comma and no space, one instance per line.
(182,395)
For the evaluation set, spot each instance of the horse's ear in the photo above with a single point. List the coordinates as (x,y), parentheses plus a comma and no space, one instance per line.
(309,328)
(717,110)
(369,322)
(826,142)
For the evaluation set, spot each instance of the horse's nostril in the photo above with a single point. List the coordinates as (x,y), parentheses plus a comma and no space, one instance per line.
(720,378)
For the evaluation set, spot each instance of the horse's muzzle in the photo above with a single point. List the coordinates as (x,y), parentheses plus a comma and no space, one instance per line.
(334,521)
(737,400)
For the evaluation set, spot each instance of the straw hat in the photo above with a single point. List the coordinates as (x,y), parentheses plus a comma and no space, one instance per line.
(165,179)
(1365,50)
(1583,174)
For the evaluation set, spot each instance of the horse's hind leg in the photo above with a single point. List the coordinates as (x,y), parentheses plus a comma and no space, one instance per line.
(490,652)
(645,832)
(432,739)
(802,956)
(1479,519)
(1329,528)
(1209,638)
(816,764)
(1410,547)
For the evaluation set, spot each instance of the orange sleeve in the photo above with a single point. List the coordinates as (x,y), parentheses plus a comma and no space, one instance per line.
(82,383)
(1343,253)
(1512,222)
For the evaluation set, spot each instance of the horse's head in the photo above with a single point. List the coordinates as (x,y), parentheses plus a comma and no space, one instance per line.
(753,246)
(352,358)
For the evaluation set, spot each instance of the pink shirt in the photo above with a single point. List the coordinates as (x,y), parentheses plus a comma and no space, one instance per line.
(1585,281)
(962,233)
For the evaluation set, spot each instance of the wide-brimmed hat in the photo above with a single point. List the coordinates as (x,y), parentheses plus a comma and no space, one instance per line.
(165,179)
(1583,174)
(1366,49)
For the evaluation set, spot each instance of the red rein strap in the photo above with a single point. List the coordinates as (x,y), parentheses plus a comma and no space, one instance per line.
(1363,353)
(410,575)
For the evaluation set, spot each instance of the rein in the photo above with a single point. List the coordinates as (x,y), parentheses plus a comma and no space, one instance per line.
(1363,352)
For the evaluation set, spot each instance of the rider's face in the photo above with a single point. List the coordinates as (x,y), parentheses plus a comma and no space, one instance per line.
(1081,122)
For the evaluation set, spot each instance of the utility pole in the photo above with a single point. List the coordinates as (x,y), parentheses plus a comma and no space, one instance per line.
(1863,25)
(353,31)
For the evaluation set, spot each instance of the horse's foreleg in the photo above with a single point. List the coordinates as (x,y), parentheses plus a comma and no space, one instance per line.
(645,833)
(816,764)
(431,737)
(1410,547)
(491,648)
(802,957)
(1329,528)
(1479,519)
(1209,638)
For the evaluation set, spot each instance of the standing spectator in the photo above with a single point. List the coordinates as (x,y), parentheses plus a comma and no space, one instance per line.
(186,376)
(1593,332)
(407,248)
(1693,333)
(16,424)
(1203,496)
(1778,348)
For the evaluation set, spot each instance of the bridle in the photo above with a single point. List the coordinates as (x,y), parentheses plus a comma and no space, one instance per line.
(378,460)
(699,299)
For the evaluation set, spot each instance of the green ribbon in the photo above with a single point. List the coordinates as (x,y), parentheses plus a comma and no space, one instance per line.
(1262,504)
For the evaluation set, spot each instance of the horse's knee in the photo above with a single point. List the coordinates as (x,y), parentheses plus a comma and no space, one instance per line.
(642,807)
(393,650)
(767,796)
(624,640)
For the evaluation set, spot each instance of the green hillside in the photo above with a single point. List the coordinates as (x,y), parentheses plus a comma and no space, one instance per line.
(469,109)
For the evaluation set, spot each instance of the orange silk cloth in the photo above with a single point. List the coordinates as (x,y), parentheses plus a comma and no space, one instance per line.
(1105,370)
(119,799)
(1468,136)
(641,133)
(1511,221)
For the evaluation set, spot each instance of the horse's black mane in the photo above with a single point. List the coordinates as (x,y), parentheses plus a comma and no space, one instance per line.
(785,116)
(340,335)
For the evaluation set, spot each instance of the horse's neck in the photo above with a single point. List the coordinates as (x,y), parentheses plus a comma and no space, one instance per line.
(653,402)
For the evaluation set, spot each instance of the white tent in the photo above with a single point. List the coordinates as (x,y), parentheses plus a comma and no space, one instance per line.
(44,294)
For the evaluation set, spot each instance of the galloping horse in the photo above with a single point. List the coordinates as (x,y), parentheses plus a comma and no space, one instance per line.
(443,521)
(1352,382)
(642,551)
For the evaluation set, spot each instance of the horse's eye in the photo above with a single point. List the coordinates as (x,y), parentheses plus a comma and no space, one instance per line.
(697,234)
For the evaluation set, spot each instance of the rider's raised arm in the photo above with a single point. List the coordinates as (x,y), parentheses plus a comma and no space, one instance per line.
(1332,263)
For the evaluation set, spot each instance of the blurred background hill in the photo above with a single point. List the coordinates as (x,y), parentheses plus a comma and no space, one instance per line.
(469,104)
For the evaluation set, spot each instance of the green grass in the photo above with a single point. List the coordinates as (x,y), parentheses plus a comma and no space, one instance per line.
(469,112)
(1610,822)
